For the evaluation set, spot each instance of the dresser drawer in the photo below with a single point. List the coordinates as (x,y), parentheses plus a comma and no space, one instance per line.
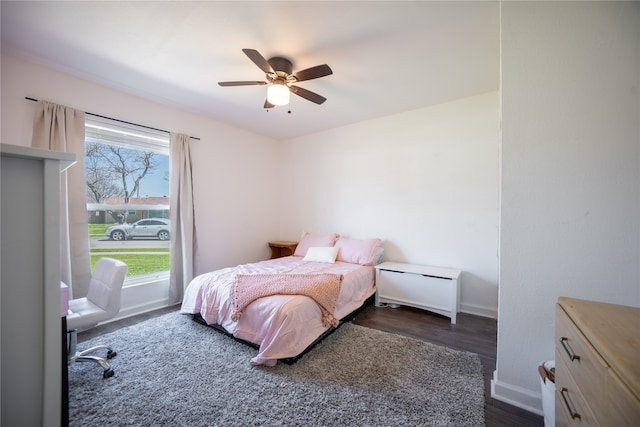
(623,406)
(587,369)
(571,407)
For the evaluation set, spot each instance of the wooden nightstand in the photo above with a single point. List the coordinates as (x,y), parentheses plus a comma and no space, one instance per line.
(282,248)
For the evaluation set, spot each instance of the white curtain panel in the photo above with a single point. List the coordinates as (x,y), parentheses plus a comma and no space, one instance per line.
(183,241)
(60,128)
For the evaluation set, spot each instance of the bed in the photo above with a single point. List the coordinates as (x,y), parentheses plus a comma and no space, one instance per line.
(283,306)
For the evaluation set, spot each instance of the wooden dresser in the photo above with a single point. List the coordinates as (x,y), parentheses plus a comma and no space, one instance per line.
(597,364)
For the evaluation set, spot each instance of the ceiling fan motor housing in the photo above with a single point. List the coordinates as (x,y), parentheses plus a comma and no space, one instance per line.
(282,66)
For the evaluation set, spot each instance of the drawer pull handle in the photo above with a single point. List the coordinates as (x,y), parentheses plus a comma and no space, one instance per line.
(563,392)
(568,349)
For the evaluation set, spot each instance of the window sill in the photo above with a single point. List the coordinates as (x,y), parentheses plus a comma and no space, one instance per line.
(146,279)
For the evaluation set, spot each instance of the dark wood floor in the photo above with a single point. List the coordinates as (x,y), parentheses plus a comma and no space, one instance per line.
(470,333)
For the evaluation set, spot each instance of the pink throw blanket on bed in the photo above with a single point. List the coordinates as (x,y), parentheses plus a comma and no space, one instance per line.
(322,288)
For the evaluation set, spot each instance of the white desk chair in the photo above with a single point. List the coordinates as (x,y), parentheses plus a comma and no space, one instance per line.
(101,303)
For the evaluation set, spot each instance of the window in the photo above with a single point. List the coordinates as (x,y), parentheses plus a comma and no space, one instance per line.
(127,187)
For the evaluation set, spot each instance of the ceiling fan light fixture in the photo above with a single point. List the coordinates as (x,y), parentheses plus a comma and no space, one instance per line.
(278,94)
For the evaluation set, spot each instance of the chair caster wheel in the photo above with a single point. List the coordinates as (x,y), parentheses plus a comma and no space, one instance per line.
(111,354)
(108,373)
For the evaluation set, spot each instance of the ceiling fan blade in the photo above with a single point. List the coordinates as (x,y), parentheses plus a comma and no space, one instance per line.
(259,60)
(267,104)
(308,95)
(313,73)
(244,83)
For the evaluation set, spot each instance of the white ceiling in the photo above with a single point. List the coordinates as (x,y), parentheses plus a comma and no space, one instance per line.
(387,56)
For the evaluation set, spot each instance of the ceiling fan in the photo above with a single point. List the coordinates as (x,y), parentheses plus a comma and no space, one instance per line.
(281,80)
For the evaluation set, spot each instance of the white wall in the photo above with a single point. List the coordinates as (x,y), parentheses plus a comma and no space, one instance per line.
(570,204)
(424,181)
(235,172)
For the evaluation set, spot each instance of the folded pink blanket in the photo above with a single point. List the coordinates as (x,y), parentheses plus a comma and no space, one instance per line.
(322,288)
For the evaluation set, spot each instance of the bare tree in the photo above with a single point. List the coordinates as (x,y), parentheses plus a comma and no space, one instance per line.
(130,166)
(116,171)
(100,179)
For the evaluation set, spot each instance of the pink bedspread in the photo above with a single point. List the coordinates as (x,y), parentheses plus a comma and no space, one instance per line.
(323,288)
(282,325)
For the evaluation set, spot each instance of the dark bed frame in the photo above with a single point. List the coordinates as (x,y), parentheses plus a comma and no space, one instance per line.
(291,360)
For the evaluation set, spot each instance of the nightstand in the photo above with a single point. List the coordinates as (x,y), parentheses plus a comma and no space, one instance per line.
(282,248)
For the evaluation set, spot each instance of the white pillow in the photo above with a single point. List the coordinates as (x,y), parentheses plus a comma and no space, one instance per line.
(322,254)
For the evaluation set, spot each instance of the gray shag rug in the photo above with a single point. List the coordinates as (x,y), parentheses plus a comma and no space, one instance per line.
(172,371)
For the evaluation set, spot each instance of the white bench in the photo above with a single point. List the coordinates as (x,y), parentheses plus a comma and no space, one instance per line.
(435,289)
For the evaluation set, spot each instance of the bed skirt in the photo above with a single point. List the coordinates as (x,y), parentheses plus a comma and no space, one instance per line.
(291,360)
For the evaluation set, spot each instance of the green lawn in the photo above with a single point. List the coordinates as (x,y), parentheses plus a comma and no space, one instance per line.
(152,260)
(98,230)
(138,263)
(95,251)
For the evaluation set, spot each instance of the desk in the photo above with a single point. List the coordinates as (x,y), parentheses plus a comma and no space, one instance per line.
(64,398)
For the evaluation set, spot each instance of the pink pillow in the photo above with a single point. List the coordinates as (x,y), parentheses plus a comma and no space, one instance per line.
(357,251)
(309,240)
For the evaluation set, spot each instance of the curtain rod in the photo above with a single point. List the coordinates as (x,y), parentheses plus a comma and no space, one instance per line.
(120,121)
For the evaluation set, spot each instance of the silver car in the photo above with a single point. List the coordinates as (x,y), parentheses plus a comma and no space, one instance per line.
(147,228)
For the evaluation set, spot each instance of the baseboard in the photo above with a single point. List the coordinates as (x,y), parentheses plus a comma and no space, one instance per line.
(479,310)
(516,396)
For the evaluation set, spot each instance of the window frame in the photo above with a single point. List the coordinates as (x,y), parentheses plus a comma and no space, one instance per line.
(114,132)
